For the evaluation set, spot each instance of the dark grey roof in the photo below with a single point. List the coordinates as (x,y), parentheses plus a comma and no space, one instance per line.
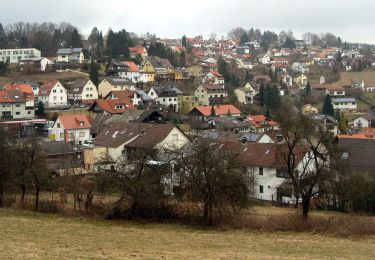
(97,123)
(57,148)
(136,115)
(119,81)
(357,154)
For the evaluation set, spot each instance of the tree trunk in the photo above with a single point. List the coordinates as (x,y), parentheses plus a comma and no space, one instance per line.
(305,207)
(23,193)
(297,201)
(133,208)
(1,195)
(37,191)
(205,211)
(210,215)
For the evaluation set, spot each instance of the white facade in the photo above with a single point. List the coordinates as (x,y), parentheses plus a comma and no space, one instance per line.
(361,122)
(211,78)
(347,104)
(134,76)
(56,98)
(78,136)
(15,55)
(167,101)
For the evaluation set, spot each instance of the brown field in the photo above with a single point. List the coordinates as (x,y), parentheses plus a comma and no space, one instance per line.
(368,76)
(28,235)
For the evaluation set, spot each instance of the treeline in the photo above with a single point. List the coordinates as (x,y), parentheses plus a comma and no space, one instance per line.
(46,37)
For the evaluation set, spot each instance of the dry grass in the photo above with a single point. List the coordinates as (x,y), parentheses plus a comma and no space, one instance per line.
(368,76)
(28,235)
(40,77)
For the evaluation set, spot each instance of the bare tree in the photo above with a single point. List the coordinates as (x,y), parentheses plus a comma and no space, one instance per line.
(306,155)
(6,161)
(214,177)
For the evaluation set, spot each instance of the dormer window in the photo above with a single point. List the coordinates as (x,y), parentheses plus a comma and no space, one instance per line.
(81,123)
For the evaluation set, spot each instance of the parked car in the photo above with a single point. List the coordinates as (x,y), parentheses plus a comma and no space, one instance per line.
(88,143)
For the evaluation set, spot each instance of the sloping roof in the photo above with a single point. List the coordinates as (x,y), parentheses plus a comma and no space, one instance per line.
(68,51)
(216,74)
(219,110)
(26,89)
(120,94)
(144,96)
(78,85)
(260,120)
(132,67)
(11,96)
(359,153)
(344,100)
(146,135)
(116,81)
(45,89)
(57,148)
(75,121)
(109,105)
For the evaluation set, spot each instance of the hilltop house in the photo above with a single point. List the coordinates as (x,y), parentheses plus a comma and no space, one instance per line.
(214,78)
(15,55)
(36,64)
(125,69)
(211,94)
(53,94)
(345,104)
(70,55)
(246,94)
(138,51)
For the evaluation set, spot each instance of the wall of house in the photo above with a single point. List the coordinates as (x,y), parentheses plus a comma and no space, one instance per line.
(174,140)
(202,96)
(167,101)
(57,97)
(15,111)
(360,122)
(14,55)
(89,91)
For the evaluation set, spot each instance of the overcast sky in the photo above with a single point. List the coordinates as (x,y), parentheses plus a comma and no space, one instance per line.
(353,20)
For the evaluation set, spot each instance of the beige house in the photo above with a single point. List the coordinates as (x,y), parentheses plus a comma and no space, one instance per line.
(82,90)
(13,105)
(246,94)
(186,103)
(210,94)
(119,140)
(109,84)
(300,80)
(309,109)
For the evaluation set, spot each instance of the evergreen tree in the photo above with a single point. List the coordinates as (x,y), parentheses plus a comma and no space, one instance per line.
(261,94)
(289,43)
(184,41)
(94,75)
(328,107)
(337,115)
(244,38)
(3,38)
(182,59)
(272,97)
(40,109)
(213,113)
(247,77)
(308,89)
(76,39)
(343,124)
(4,67)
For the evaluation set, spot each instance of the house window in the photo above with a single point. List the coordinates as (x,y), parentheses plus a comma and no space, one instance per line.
(260,188)
(54,91)
(175,137)
(260,170)
(61,136)
(61,98)
(18,105)
(58,125)
(81,134)
(281,173)
(18,113)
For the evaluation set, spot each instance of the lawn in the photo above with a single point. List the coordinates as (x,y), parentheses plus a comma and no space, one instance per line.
(27,235)
(368,76)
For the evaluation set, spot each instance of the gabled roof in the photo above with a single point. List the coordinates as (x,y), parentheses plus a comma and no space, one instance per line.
(75,121)
(26,89)
(132,67)
(219,110)
(144,135)
(45,89)
(260,121)
(68,51)
(78,85)
(216,74)
(109,105)
(116,81)
(357,154)
(120,94)
(11,96)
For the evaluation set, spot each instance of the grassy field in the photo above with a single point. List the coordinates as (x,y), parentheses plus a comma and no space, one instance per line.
(27,235)
(368,76)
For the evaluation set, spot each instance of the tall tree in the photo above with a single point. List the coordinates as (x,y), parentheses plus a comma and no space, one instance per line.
(244,38)
(328,107)
(76,39)
(3,38)
(94,75)
(183,41)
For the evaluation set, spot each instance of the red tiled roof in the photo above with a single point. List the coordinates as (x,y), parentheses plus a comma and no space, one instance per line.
(137,50)
(216,74)
(26,89)
(11,96)
(47,87)
(260,120)
(109,105)
(74,121)
(121,94)
(132,67)
(219,110)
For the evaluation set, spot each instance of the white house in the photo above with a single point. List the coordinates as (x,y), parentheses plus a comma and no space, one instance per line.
(38,63)
(363,121)
(83,90)
(265,59)
(15,55)
(246,94)
(213,77)
(345,104)
(287,79)
(70,55)
(53,94)
(72,128)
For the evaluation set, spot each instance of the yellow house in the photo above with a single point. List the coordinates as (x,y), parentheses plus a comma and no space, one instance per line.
(187,102)
(109,84)
(178,75)
(195,70)
(309,109)
(300,79)
(148,67)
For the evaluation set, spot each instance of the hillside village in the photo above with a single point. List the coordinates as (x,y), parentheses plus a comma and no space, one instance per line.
(227,92)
